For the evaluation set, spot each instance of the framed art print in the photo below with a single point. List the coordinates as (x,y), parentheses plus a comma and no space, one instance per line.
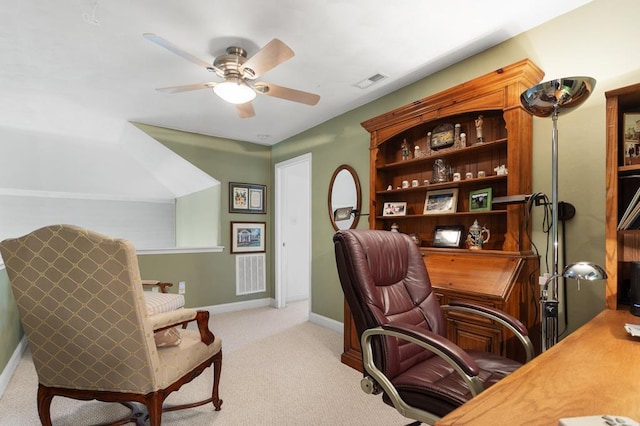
(394,209)
(247,237)
(247,198)
(442,201)
(480,200)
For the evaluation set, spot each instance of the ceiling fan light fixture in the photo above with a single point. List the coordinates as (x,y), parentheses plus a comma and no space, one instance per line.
(235,91)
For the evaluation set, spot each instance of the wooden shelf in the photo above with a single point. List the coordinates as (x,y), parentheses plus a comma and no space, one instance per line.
(433,186)
(445,154)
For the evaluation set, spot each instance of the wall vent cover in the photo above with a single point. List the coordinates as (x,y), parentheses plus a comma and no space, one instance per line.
(250,274)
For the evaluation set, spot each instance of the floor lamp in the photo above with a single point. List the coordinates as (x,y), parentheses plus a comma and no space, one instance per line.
(551,99)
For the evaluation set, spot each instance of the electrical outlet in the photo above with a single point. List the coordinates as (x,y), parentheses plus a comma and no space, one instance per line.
(182,287)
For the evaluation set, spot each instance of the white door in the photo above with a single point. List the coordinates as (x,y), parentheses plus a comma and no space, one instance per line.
(293,230)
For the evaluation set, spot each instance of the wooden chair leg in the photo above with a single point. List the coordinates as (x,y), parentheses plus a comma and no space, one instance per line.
(44,405)
(154,408)
(217,368)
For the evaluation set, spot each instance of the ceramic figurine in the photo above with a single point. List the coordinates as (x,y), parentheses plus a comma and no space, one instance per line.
(405,150)
(479,123)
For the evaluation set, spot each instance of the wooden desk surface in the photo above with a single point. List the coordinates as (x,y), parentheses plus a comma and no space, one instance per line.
(595,370)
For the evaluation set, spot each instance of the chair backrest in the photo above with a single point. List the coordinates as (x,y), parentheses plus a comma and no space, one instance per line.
(80,302)
(384,280)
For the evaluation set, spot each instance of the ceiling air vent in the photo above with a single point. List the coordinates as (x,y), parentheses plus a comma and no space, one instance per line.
(371,80)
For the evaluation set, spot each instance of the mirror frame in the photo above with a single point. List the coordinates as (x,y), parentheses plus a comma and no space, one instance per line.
(358,205)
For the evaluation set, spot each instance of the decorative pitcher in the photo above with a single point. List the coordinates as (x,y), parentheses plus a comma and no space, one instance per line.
(478,236)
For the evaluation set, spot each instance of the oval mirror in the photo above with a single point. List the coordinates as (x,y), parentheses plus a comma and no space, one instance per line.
(344,198)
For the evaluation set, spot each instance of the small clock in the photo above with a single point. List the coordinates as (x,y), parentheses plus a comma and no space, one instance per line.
(442,136)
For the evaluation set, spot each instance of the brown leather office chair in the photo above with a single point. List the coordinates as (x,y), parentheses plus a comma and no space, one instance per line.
(90,332)
(402,329)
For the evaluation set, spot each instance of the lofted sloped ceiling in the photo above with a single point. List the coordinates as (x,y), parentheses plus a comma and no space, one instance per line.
(82,67)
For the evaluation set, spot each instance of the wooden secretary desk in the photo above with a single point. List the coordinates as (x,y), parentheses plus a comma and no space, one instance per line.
(502,275)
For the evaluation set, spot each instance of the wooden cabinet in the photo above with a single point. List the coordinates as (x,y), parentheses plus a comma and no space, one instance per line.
(622,182)
(503,274)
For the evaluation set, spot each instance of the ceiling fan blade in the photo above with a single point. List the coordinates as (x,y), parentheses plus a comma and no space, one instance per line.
(245,110)
(187,87)
(271,55)
(178,51)
(287,93)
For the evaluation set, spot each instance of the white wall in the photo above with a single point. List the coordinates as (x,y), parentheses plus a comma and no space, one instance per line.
(125,188)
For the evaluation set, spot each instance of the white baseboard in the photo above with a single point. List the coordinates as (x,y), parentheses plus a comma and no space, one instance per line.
(11,366)
(325,322)
(239,306)
(322,321)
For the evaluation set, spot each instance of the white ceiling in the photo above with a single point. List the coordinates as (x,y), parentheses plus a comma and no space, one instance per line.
(83,68)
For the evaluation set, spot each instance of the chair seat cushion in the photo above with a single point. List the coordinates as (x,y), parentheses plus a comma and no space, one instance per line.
(436,387)
(158,303)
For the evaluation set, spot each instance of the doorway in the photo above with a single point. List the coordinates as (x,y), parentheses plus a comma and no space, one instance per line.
(293,230)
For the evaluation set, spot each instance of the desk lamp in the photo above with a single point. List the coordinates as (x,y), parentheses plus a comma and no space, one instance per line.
(553,98)
(549,302)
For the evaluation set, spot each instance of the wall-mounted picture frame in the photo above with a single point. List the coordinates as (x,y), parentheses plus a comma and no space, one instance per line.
(398,208)
(631,137)
(247,198)
(441,201)
(247,237)
(480,200)
(448,236)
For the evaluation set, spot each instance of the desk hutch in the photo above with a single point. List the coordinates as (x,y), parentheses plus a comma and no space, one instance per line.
(504,273)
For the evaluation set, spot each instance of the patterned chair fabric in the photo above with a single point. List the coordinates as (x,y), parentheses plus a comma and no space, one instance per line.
(84,314)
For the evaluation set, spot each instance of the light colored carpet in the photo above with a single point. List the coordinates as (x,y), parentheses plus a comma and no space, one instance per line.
(277,369)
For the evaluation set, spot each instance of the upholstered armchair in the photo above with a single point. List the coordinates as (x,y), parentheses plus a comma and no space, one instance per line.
(81,304)
(405,350)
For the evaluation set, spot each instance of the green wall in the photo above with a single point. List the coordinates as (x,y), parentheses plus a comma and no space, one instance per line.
(10,328)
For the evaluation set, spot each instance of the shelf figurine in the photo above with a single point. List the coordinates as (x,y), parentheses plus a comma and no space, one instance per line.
(456,135)
(479,123)
(405,150)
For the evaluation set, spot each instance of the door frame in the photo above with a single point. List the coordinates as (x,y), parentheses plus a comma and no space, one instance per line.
(280,294)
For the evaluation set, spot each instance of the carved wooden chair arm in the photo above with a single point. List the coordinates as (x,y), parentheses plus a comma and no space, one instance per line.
(162,285)
(182,317)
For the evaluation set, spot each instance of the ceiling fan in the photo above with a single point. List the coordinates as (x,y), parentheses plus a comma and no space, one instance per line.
(239,74)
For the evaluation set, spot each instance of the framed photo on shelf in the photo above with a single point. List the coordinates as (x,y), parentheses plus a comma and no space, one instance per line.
(442,201)
(394,209)
(480,200)
(449,236)
(631,138)
(247,237)
(247,198)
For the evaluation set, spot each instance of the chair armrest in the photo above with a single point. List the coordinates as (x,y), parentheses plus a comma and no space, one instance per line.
(457,358)
(161,285)
(501,317)
(183,317)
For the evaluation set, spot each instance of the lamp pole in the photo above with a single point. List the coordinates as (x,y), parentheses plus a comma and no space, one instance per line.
(544,100)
